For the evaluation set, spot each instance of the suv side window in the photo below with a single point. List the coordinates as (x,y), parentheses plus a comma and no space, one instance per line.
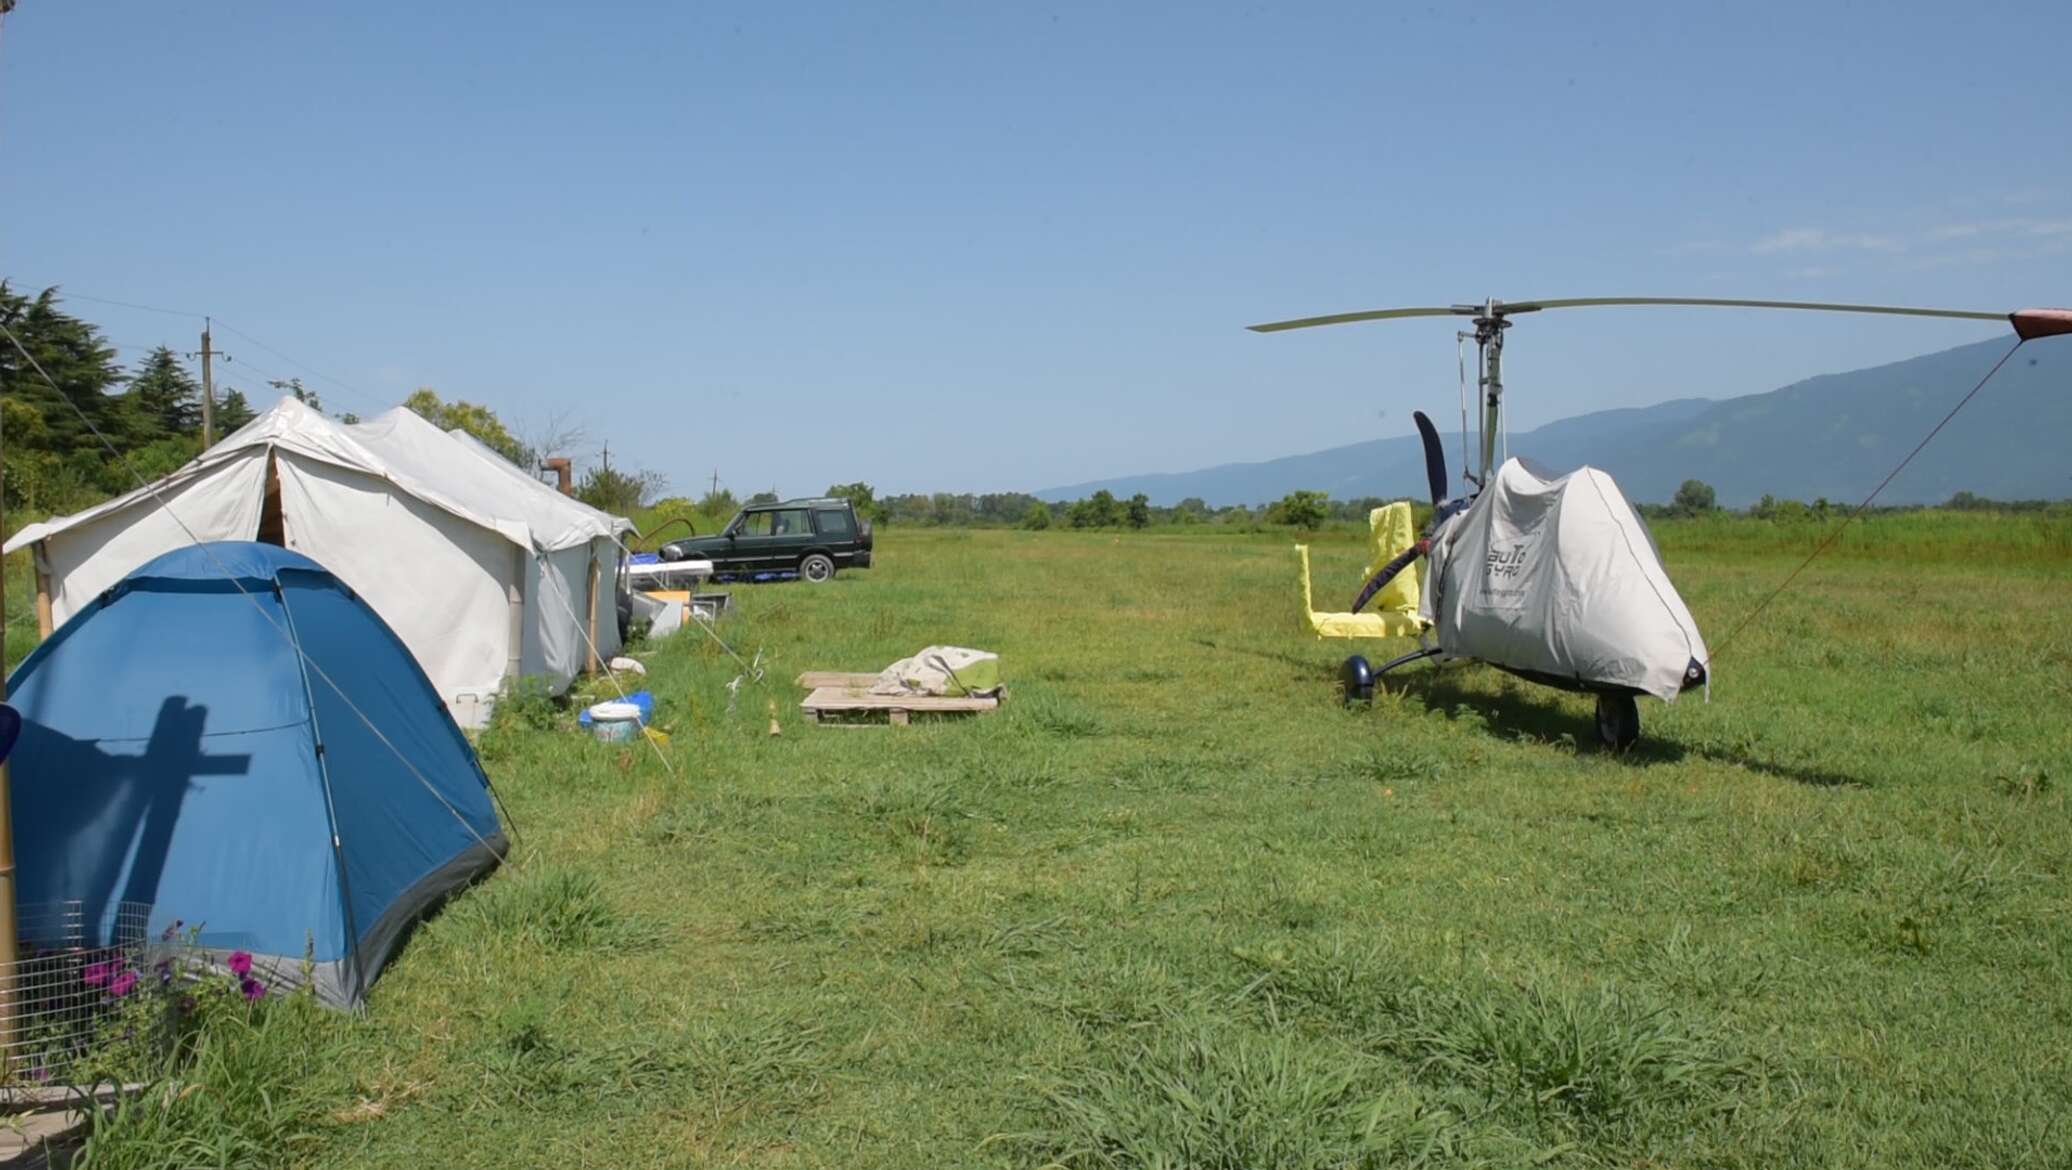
(754,524)
(792,522)
(835,523)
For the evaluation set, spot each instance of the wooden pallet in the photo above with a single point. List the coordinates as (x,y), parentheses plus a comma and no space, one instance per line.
(840,699)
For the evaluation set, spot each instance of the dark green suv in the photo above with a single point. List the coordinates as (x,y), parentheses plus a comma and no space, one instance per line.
(812,538)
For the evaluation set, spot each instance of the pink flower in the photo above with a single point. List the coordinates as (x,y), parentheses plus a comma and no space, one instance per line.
(240,963)
(97,973)
(253,990)
(122,984)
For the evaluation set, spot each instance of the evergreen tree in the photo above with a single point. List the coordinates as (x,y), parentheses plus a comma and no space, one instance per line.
(163,399)
(233,412)
(76,357)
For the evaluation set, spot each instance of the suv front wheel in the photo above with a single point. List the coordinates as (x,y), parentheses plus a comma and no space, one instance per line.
(817,567)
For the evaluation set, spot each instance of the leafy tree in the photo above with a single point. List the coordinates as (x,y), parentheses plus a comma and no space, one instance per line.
(1037,518)
(163,398)
(1694,498)
(1100,510)
(1192,510)
(864,498)
(1306,510)
(609,489)
(1138,513)
(304,395)
(477,420)
(720,504)
(769,497)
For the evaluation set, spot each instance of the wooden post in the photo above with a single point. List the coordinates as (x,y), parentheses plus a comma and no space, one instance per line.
(43,619)
(208,390)
(590,611)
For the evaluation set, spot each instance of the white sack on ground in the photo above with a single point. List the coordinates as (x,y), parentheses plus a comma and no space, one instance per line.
(941,670)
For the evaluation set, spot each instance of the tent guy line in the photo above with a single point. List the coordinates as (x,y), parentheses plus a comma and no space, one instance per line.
(197,542)
(1860,508)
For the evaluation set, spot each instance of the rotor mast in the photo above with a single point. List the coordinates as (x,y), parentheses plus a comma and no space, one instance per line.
(1489,345)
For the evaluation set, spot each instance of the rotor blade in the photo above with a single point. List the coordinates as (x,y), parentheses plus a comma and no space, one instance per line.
(1435,456)
(1387,573)
(2030,324)
(1727,303)
(1370,315)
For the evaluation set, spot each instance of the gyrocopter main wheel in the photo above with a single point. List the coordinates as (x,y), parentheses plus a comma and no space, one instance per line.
(1618,721)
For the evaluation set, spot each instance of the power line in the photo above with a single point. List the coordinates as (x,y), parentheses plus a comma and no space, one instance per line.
(305,368)
(65,295)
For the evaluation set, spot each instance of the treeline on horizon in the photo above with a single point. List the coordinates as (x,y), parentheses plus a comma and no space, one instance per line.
(1302,510)
(55,459)
(1298,510)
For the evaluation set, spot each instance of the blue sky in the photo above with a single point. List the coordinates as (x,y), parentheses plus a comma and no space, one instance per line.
(989,247)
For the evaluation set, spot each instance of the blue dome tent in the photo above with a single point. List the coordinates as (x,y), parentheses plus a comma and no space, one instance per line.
(177,752)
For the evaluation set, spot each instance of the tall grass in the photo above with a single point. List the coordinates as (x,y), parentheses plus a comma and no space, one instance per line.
(1174,905)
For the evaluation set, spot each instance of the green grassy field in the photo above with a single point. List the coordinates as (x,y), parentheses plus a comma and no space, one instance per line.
(1173,906)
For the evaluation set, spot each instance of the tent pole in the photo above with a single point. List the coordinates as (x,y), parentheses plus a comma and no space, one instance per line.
(591,609)
(44,623)
(514,596)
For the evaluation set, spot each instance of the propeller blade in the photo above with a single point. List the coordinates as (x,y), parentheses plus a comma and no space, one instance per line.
(1370,315)
(1730,303)
(1387,573)
(1435,456)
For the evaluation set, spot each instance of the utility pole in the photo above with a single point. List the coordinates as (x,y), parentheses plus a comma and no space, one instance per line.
(607,457)
(715,481)
(208,391)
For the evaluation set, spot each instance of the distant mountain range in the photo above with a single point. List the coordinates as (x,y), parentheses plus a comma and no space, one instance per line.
(1835,436)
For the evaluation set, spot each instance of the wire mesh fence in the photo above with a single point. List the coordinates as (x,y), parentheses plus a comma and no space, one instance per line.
(69,977)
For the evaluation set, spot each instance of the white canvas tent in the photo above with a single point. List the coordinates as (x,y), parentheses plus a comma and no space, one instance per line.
(483,571)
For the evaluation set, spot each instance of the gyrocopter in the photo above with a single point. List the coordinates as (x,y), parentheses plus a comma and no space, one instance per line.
(1554,577)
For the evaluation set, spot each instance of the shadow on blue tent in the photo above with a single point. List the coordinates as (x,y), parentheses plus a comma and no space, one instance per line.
(177,752)
(10,730)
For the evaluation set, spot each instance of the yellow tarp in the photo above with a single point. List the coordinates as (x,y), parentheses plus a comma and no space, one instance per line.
(1393,612)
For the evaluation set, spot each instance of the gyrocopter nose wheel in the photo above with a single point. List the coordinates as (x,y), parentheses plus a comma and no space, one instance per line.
(1356,677)
(1618,721)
